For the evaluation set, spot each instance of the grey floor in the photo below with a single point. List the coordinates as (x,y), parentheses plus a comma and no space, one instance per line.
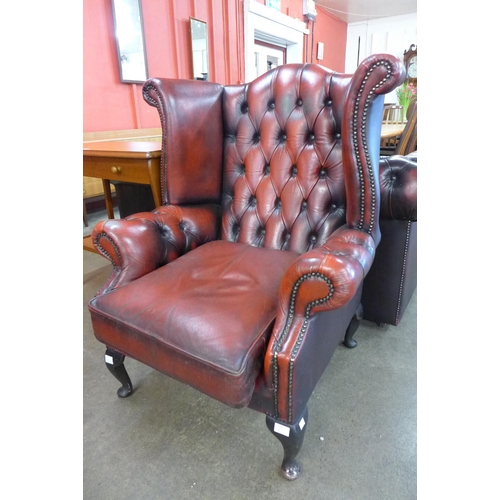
(167,441)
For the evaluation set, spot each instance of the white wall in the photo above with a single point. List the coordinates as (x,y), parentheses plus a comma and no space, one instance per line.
(389,35)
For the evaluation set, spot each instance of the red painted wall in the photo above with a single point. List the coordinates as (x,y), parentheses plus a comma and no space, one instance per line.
(109,104)
(333,33)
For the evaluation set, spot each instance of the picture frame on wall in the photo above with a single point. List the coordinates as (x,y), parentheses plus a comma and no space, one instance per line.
(130,43)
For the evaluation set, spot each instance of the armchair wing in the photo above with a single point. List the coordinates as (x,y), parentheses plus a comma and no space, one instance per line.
(330,276)
(191,172)
(192,138)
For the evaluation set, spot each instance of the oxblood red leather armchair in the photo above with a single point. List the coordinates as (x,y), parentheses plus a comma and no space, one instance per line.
(247,279)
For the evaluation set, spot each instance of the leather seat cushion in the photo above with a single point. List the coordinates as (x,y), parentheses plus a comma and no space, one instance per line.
(204,319)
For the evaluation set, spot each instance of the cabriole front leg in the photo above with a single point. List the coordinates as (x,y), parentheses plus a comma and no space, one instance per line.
(114,361)
(291,437)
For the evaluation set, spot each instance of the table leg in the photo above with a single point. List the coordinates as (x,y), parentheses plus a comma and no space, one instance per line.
(154,181)
(85,215)
(108,199)
(155,189)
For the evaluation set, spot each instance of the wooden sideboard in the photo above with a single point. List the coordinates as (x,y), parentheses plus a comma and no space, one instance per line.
(92,187)
(126,161)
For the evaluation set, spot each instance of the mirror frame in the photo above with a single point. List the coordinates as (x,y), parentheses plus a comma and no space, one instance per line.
(192,21)
(141,75)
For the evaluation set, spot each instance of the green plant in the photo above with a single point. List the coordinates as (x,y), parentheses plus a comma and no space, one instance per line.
(405,93)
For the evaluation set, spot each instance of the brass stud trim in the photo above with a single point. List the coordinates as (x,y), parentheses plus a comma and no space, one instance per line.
(295,349)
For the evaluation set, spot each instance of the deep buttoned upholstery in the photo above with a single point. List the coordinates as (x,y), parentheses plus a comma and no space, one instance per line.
(284,183)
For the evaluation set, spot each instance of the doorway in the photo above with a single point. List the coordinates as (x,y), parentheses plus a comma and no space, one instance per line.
(267,57)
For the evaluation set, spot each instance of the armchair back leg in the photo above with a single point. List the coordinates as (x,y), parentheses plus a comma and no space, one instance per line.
(353,326)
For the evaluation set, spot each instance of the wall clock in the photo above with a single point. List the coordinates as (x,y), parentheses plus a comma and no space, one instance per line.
(410,62)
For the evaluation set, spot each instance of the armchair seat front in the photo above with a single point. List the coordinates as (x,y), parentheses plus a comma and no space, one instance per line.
(204,319)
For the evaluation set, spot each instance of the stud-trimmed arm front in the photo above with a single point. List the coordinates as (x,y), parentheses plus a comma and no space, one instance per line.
(326,278)
(141,243)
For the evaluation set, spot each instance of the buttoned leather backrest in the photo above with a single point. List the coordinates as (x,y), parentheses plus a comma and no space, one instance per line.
(291,156)
(283,174)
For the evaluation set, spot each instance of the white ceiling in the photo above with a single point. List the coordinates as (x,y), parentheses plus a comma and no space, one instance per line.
(352,11)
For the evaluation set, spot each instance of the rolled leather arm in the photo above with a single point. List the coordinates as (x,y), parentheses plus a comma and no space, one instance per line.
(328,276)
(140,243)
(321,279)
(398,187)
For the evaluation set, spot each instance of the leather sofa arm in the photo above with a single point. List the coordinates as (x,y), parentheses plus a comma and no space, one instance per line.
(140,243)
(321,279)
(398,187)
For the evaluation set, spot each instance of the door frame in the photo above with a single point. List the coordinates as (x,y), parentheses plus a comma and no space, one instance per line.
(276,48)
(268,25)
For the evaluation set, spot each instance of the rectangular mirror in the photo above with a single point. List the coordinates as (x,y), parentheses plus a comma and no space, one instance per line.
(199,48)
(129,32)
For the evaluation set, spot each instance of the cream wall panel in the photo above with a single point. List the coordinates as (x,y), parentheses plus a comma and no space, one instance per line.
(392,35)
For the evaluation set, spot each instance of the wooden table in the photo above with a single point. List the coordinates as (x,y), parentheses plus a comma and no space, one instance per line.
(392,130)
(137,162)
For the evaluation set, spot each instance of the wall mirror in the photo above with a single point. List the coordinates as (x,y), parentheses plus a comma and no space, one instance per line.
(199,48)
(129,32)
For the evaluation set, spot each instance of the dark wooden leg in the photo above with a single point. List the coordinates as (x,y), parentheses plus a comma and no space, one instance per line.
(291,437)
(353,326)
(85,215)
(114,361)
